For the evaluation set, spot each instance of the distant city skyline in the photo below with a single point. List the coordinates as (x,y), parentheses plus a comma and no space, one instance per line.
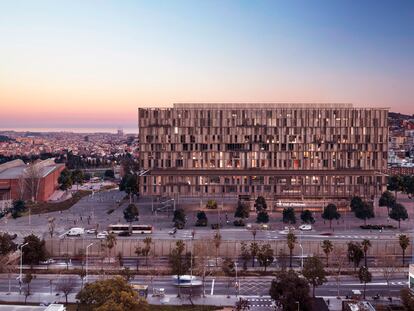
(76,64)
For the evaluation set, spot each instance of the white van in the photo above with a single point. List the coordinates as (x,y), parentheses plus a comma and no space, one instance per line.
(76,232)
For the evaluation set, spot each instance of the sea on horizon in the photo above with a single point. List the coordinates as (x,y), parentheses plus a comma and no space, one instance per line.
(71,130)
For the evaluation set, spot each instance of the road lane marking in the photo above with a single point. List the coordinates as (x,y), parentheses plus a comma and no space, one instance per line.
(212,287)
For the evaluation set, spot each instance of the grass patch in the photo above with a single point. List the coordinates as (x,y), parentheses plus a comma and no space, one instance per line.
(47,207)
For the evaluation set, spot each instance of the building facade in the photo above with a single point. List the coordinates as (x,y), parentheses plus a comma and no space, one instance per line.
(36,182)
(284,152)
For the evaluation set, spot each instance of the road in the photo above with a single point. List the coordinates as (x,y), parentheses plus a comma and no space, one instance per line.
(254,288)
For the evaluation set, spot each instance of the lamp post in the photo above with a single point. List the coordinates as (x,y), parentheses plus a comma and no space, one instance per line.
(21,265)
(86,269)
(301,248)
(298,303)
(237,281)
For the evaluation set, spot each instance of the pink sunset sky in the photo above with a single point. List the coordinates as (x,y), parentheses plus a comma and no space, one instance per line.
(91,64)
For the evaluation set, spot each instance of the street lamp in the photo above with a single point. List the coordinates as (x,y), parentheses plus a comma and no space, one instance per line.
(237,281)
(298,303)
(86,276)
(301,248)
(21,264)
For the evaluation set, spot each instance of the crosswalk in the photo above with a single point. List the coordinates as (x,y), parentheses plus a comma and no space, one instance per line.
(260,303)
(362,237)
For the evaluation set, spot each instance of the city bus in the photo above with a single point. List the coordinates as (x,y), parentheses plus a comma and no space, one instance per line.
(142,229)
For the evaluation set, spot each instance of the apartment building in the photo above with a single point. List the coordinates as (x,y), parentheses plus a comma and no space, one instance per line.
(285,152)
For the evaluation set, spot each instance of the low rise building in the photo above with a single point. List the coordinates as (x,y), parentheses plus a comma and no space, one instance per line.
(36,182)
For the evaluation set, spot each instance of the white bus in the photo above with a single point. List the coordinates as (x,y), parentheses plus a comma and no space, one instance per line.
(142,229)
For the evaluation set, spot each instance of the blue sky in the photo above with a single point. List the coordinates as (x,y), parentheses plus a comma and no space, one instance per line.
(100,60)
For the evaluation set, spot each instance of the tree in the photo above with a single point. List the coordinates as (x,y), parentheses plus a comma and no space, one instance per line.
(242,210)
(228,268)
(288,289)
(109,174)
(330,212)
(307,217)
(408,185)
(6,244)
(387,199)
(265,256)
(395,183)
(356,202)
(51,226)
(388,266)
(112,294)
(34,251)
(201,249)
(404,242)
(245,254)
(217,243)
(18,208)
(127,274)
(242,305)
(327,248)
(398,213)
(291,241)
(262,217)
(211,204)
(179,218)
(27,279)
(340,257)
(314,272)
(260,204)
(82,275)
(202,220)
(364,277)
(180,263)
(32,178)
(365,211)
(289,215)
(110,242)
(355,253)
(66,286)
(366,244)
(146,249)
(407,299)
(65,180)
(77,177)
(131,213)
(254,250)
(129,184)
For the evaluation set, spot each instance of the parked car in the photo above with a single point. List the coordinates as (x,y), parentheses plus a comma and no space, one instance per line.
(91,231)
(47,262)
(172,231)
(305,227)
(102,235)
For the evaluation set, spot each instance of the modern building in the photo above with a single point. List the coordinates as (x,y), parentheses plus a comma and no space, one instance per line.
(35,182)
(289,153)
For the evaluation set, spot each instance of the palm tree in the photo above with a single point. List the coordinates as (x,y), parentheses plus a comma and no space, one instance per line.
(110,242)
(217,243)
(291,241)
(366,244)
(147,248)
(404,241)
(327,248)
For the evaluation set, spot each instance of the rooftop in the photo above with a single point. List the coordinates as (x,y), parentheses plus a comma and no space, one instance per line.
(17,168)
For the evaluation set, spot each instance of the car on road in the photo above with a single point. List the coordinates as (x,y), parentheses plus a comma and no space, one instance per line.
(305,227)
(172,231)
(90,231)
(102,235)
(75,232)
(47,261)
(290,228)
